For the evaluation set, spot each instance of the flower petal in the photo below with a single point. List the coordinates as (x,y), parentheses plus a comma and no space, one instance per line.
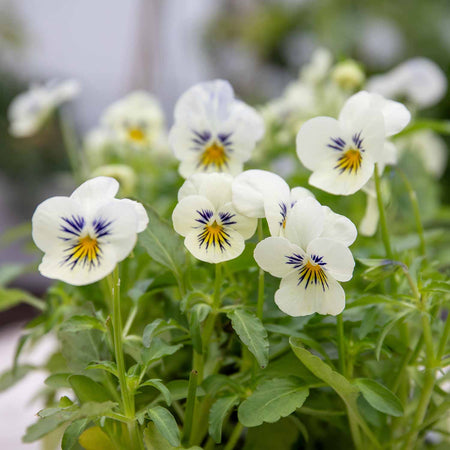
(338,258)
(245,226)
(369,222)
(141,213)
(338,228)
(296,300)
(272,254)
(189,212)
(95,192)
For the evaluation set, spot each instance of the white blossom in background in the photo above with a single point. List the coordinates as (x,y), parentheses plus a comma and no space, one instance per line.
(28,112)
(136,120)
(96,144)
(342,153)
(419,80)
(213,131)
(85,235)
(310,266)
(124,174)
(258,194)
(214,231)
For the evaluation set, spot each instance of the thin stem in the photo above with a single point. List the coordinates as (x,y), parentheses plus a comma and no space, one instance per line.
(444,338)
(260,304)
(130,320)
(127,397)
(190,407)
(383,223)
(341,345)
(71,146)
(415,205)
(354,429)
(235,435)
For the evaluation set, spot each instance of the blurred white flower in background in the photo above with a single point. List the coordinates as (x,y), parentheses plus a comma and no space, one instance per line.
(213,131)
(124,174)
(136,120)
(29,111)
(418,80)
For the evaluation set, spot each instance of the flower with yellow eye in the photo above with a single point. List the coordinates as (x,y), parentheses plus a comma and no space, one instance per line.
(213,131)
(309,265)
(214,231)
(136,120)
(342,153)
(85,235)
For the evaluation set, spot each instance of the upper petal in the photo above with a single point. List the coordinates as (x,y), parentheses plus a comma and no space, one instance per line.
(95,192)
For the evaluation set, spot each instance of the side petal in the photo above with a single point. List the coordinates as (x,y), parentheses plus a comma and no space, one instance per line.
(272,255)
(338,228)
(338,258)
(245,226)
(141,214)
(191,213)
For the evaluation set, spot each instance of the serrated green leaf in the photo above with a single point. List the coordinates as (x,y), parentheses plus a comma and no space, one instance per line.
(72,433)
(380,397)
(159,349)
(252,333)
(272,400)
(166,424)
(88,390)
(157,384)
(82,322)
(163,244)
(217,414)
(108,366)
(199,313)
(46,425)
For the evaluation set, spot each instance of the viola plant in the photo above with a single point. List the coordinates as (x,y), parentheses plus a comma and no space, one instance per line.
(243,309)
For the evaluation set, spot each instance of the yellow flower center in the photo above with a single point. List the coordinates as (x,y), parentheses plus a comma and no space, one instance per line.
(214,155)
(87,250)
(214,235)
(136,134)
(312,273)
(350,161)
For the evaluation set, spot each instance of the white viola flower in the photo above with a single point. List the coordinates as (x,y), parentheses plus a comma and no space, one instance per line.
(420,80)
(214,231)
(342,153)
(29,110)
(136,120)
(309,266)
(85,235)
(258,194)
(213,131)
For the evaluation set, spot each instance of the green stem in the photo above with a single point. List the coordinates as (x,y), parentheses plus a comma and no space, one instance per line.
(415,205)
(260,305)
(235,435)
(341,345)
(444,338)
(127,397)
(354,429)
(383,223)
(190,407)
(71,146)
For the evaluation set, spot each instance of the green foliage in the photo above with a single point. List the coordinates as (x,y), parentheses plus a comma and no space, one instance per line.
(219,411)
(166,424)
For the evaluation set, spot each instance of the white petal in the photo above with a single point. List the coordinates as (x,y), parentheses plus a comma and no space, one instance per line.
(305,222)
(245,226)
(300,193)
(338,228)
(141,213)
(95,192)
(214,254)
(214,186)
(294,300)
(396,116)
(369,222)
(47,220)
(313,141)
(272,254)
(388,156)
(252,187)
(338,258)
(187,214)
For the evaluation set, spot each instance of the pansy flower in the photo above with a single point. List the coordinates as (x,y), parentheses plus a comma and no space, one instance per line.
(259,193)
(136,120)
(213,131)
(214,231)
(29,110)
(342,153)
(85,235)
(310,266)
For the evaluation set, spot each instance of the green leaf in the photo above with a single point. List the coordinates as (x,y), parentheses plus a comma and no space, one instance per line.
(380,397)
(95,438)
(199,313)
(157,384)
(79,323)
(387,328)
(12,376)
(9,272)
(252,333)
(46,425)
(58,380)
(158,349)
(163,244)
(272,399)
(88,390)
(218,413)
(108,366)
(179,389)
(13,297)
(72,433)
(166,424)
